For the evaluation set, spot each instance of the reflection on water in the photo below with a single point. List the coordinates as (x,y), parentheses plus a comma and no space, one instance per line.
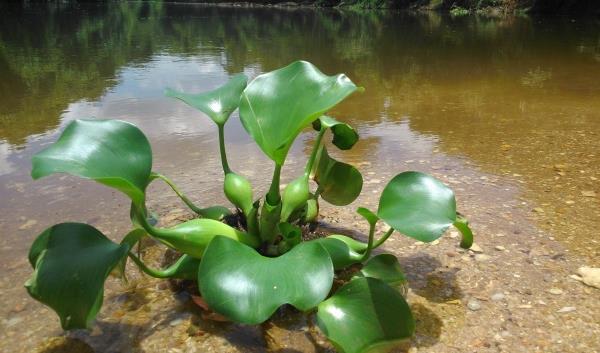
(518,97)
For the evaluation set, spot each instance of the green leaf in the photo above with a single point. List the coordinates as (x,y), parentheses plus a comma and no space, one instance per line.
(192,237)
(112,152)
(276,106)
(129,240)
(340,183)
(214,212)
(291,234)
(342,255)
(462,224)
(386,268)
(344,135)
(417,205)
(247,287)
(368,215)
(219,103)
(365,315)
(352,243)
(71,262)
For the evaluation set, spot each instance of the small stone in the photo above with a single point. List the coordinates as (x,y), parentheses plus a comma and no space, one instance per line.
(453,234)
(473,304)
(588,193)
(435,242)
(566,309)
(538,210)
(18,308)
(525,306)
(482,257)
(555,291)
(590,276)
(570,202)
(476,248)
(176,322)
(96,331)
(499,248)
(497,296)
(30,223)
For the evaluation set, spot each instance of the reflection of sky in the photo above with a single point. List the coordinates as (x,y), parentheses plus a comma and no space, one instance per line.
(6,166)
(139,96)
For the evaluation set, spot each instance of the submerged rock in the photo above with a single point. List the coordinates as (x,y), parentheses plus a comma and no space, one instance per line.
(590,276)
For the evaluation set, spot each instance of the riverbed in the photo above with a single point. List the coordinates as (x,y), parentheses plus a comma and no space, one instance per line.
(506,111)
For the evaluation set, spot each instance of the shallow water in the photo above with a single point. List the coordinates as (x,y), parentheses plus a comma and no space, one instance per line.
(513,103)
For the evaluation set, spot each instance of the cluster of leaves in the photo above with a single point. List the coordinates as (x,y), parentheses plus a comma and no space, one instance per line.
(246,274)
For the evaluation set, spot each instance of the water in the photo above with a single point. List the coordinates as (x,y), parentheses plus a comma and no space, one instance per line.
(513,103)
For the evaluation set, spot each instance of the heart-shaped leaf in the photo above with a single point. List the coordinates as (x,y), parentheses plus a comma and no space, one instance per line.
(365,315)
(417,205)
(246,287)
(219,103)
(344,135)
(71,262)
(340,183)
(276,106)
(386,268)
(112,152)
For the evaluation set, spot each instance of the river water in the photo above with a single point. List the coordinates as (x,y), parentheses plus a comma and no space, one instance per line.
(510,102)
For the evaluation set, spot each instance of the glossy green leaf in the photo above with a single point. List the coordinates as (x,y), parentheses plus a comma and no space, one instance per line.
(192,237)
(247,287)
(342,255)
(386,268)
(129,240)
(367,214)
(112,152)
(71,262)
(462,224)
(219,103)
(344,135)
(276,106)
(339,183)
(352,243)
(417,205)
(365,315)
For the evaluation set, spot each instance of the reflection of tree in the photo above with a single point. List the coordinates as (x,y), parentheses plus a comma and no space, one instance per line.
(51,55)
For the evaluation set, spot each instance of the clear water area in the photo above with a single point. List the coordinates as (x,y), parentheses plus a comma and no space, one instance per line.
(506,106)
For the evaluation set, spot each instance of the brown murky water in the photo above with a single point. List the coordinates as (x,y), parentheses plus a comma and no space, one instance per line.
(507,111)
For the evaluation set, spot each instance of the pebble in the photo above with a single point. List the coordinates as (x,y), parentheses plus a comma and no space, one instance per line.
(566,309)
(473,304)
(176,322)
(482,257)
(476,248)
(555,291)
(590,276)
(588,193)
(497,296)
(30,223)
(500,248)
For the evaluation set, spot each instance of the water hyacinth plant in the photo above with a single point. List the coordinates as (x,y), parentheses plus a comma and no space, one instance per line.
(246,273)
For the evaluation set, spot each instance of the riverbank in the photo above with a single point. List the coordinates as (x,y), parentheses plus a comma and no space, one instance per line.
(453,7)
